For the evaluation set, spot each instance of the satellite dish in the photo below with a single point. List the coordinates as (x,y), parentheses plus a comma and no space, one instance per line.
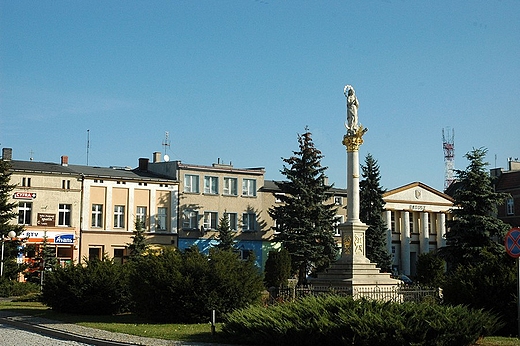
(166,158)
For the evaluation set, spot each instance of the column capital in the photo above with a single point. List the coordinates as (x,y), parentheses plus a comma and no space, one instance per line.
(353,140)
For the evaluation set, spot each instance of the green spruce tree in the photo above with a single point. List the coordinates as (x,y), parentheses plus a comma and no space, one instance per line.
(371,213)
(304,222)
(475,226)
(226,236)
(48,254)
(7,214)
(138,245)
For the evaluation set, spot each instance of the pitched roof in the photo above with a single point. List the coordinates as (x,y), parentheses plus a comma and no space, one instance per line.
(270,186)
(508,180)
(87,171)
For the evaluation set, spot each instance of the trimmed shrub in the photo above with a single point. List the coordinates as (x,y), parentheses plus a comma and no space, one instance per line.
(277,268)
(98,288)
(334,320)
(490,285)
(184,287)
(13,288)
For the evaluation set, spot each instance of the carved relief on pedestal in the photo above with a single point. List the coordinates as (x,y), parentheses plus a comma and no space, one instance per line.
(358,244)
(347,242)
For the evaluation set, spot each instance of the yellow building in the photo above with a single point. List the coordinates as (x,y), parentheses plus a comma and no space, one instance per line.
(90,212)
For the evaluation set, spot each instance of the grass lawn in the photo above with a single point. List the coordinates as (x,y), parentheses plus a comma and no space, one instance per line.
(125,323)
(131,324)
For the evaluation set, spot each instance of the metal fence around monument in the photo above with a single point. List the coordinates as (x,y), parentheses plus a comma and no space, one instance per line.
(399,293)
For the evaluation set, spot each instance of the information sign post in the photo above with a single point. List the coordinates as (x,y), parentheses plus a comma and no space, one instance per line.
(512,243)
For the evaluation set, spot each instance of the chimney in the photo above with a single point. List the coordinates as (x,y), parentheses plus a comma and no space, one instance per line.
(64,160)
(143,164)
(7,154)
(156,157)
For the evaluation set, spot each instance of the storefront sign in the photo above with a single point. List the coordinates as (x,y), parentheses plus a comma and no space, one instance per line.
(24,195)
(64,239)
(47,220)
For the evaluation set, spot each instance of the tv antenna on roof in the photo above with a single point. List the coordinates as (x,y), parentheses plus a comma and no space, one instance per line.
(166,145)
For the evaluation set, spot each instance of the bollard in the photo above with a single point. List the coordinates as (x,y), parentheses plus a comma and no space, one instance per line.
(213,322)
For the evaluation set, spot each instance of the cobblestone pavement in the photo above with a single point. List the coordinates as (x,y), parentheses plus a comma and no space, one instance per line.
(19,329)
(12,336)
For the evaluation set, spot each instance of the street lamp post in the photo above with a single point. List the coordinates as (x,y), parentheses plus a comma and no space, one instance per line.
(11,235)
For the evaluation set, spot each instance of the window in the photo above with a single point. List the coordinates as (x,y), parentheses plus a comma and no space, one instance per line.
(162,217)
(119,216)
(412,223)
(337,220)
(65,184)
(211,185)
(392,221)
(26,182)
(231,186)
(210,220)
(191,183)
(119,255)
(190,219)
(97,215)
(338,200)
(233,221)
(64,215)
(24,213)
(248,222)
(64,252)
(249,187)
(510,206)
(140,216)
(245,254)
(278,197)
(94,253)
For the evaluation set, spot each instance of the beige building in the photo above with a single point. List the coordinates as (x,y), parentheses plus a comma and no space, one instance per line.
(90,212)
(416,215)
(209,192)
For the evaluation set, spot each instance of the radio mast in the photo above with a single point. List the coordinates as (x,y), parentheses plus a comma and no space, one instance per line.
(449,156)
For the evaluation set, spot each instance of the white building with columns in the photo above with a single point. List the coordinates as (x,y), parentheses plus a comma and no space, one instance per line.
(416,217)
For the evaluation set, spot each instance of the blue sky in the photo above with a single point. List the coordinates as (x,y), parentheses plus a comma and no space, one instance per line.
(239,80)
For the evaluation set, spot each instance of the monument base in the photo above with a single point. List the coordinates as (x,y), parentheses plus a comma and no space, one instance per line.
(353,270)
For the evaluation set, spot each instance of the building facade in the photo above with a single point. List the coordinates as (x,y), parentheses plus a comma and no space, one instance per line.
(416,216)
(509,182)
(90,212)
(209,192)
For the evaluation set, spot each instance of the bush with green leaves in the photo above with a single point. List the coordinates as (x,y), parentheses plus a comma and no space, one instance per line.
(13,288)
(171,286)
(490,284)
(335,320)
(96,288)
(277,268)
(430,270)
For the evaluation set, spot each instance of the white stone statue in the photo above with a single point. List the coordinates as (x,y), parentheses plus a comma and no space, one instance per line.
(352,109)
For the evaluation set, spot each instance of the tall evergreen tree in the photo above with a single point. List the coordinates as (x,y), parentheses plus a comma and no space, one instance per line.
(304,221)
(138,245)
(371,213)
(7,209)
(7,214)
(226,235)
(475,226)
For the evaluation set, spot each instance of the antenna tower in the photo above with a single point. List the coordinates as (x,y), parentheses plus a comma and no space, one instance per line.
(449,156)
(166,141)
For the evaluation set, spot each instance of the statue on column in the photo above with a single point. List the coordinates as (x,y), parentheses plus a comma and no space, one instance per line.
(352,109)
